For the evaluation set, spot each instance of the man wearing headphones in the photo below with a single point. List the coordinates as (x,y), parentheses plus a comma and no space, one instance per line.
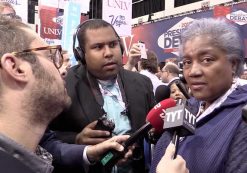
(99,86)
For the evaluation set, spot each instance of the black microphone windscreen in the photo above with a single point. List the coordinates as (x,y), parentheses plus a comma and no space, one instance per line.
(244,113)
(162,92)
(181,119)
(182,88)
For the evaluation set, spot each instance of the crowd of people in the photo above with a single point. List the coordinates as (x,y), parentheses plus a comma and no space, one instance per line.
(57,118)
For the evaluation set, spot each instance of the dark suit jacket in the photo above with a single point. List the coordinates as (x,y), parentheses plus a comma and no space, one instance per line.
(10,164)
(69,155)
(84,108)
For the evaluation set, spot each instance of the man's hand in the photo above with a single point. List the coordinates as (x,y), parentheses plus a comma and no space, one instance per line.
(90,136)
(134,57)
(95,152)
(169,165)
(127,155)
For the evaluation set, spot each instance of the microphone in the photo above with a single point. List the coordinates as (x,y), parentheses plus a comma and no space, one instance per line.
(154,120)
(244,113)
(180,121)
(182,88)
(162,92)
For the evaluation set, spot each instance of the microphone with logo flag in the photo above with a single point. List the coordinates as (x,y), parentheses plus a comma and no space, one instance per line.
(244,113)
(182,88)
(154,120)
(162,92)
(180,121)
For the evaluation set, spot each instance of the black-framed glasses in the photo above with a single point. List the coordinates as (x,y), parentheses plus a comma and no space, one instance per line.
(55,53)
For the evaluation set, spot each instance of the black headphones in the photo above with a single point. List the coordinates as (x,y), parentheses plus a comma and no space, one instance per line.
(78,51)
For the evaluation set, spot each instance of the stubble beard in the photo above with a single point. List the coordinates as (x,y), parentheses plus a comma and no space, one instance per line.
(47,99)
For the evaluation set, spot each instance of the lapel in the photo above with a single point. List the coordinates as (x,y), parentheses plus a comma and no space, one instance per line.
(89,106)
(131,93)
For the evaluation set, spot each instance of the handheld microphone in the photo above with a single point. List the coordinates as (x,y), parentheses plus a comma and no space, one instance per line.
(180,121)
(154,120)
(244,113)
(162,92)
(182,88)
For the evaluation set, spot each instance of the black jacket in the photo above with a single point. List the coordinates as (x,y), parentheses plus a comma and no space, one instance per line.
(84,108)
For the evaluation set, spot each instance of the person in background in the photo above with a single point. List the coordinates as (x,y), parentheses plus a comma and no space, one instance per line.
(175,92)
(7,10)
(170,76)
(99,86)
(212,55)
(170,72)
(160,66)
(147,67)
(66,64)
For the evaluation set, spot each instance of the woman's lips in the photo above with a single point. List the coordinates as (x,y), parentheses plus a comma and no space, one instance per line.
(197,86)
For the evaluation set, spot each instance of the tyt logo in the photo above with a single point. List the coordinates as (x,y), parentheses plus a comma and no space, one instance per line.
(174,116)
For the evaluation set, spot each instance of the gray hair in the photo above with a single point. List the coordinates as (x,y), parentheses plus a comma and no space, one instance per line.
(224,35)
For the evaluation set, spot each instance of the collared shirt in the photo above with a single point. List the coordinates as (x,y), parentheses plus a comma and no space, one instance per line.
(30,159)
(114,106)
(154,79)
(219,101)
(44,154)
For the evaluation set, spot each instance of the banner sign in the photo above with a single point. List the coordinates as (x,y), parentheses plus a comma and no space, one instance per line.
(71,21)
(163,37)
(170,40)
(53,3)
(21,8)
(84,5)
(119,14)
(221,11)
(239,17)
(51,22)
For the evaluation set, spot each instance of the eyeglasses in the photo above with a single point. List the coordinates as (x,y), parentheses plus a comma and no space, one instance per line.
(12,16)
(9,15)
(55,54)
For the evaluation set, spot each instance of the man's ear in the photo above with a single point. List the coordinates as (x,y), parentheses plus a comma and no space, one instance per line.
(14,67)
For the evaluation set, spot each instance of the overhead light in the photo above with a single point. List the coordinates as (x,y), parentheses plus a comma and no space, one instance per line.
(140,20)
(137,2)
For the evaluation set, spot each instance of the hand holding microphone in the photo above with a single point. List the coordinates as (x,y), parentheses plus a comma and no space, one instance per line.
(180,121)
(154,120)
(169,165)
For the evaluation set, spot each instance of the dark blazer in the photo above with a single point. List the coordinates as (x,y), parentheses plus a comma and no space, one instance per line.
(10,164)
(84,109)
(69,155)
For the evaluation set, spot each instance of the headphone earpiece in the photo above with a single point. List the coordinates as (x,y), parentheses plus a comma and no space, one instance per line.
(121,47)
(79,52)
(79,55)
